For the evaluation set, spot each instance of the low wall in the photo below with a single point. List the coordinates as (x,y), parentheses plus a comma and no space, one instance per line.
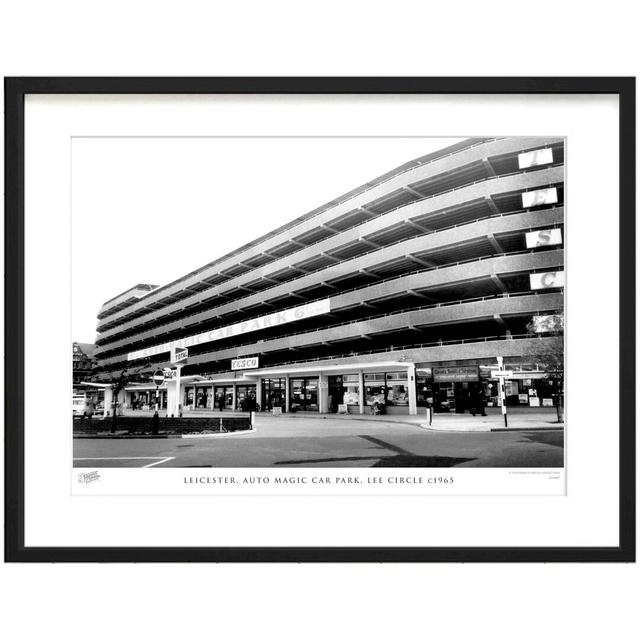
(144,425)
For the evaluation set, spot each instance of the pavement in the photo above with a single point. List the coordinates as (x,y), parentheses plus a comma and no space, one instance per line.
(518,418)
(299,440)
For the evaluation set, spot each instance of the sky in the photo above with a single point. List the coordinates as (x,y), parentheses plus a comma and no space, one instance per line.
(152,209)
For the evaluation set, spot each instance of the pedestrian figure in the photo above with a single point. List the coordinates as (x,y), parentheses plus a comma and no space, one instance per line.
(477,404)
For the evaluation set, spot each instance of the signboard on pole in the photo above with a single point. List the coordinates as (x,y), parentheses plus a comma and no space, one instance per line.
(516,375)
(179,354)
(158,377)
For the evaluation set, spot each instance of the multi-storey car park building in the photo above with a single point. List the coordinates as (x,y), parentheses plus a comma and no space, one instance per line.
(402,292)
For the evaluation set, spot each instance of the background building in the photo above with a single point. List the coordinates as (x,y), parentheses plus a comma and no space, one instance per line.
(84,361)
(88,396)
(401,292)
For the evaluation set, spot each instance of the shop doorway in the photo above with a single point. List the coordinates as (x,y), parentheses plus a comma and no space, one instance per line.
(458,397)
(223,397)
(203,398)
(304,394)
(344,390)
(246,397)
(273,393)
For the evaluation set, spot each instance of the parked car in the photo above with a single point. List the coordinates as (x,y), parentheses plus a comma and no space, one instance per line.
(78,404)
(83,406)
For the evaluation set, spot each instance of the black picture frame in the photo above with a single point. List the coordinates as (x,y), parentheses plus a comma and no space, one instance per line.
(15,91)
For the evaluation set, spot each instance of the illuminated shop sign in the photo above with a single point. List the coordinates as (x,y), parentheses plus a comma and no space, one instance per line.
(539,197)
(543,238)
(548,280)
(256,324)
(535,158)
(456,374)
(245,363)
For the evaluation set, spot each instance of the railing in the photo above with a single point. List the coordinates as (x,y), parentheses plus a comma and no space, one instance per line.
(379,316)
(372,217)
(419,270)
(391,349)
(362,255)
(355,192)
(389,211)
(384,315)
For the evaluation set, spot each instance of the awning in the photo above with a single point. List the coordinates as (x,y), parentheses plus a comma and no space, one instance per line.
(328,368)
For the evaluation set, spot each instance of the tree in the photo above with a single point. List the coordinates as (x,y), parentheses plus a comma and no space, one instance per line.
(119,379)
(548,353)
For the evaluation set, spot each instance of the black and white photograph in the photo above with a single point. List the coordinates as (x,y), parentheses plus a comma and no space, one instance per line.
(302,319)
(318,302)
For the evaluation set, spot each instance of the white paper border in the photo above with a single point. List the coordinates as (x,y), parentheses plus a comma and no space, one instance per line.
(587,516)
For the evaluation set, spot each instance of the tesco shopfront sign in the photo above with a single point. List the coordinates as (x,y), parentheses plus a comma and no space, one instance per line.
(245,363)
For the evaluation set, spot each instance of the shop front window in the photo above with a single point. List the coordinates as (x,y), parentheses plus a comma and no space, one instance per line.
(143,400)
(397,389)
(202,398)
(374,388)
(189,396)
(351,389)
(390,389)
(140,400)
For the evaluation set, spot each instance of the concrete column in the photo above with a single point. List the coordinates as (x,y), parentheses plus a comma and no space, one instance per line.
(179,387)
(172,398)
(323,394)
(108,399)
(361,391)
(287,394)
(213,398)
(259,392)
(233,402)
(411,383)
